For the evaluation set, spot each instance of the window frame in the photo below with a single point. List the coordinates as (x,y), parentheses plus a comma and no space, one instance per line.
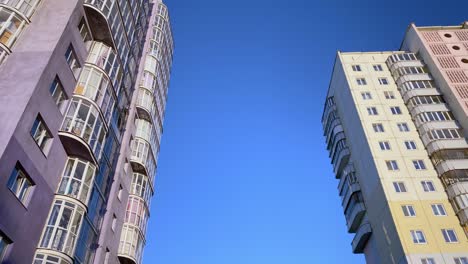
(447,236)
(21,193)
(44,142)
(400,187)
(438,210)
(408,210)
(415,239)
(427,185)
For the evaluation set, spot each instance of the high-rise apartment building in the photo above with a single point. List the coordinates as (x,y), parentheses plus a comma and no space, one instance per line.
(396,127)
(83,92)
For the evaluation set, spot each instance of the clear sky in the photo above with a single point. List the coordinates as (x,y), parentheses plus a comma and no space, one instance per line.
(244,177)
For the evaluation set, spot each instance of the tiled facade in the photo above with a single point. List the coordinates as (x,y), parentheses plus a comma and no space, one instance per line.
(395,126)
(83,87)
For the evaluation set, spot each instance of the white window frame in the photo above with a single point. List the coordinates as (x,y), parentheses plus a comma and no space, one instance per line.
(366,95)
(361,81)
(383,81)
(377,67)
(419,165)
(461,260)
(372,111)
(392,165)
(408,210)
(450,236)
(356,67)
(396,110)
(403,127)
(428,186)
(378,127)
(20,184)
(400,187)
(384,145)
(418,237)
(438,210)
(410,145)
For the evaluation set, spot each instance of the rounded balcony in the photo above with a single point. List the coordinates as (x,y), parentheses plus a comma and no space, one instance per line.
(340,156)
(83,131)
(25,8)
(141,187)
(95,85)
(145,105)
(12,23)
(77,179)
(97,13)
(106,58)
(142,158)
(63,226)
(145,130)
(46,256)
(137,213)
(131,245)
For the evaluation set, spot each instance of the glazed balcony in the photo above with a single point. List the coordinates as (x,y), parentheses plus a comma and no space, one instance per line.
(142,158)
(48,256)
(360,239)
(131,245)
(340,156)
(25,8)
(106,58)
(141,187)
(12,24)
(146,131)
(145,105)
(95,85)
(83,131)
(97,12)
(137,213)
(77,180)
(62,227)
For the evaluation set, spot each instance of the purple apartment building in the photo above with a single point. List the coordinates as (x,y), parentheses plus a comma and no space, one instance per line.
(82,99)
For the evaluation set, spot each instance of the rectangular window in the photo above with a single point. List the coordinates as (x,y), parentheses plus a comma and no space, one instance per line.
(366,95)
(356,68)
(378,127)
(408,210)
(449,235)
(378,67)
(399,187)
(419,164)
(361,81)
(392,165)
(461,260)
(395,110)
(428,261)
(418,236)
(20,183)
(84,30)
(41,134)
(389,95)
(403,127)
(372,111)
(438,209)
(57,92)
(383,81)
(72,61)
(410,145)
(384,145)
(428,186)
(4,242)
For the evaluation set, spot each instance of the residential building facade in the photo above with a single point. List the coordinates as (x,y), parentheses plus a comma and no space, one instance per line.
(396,127)
(83,92)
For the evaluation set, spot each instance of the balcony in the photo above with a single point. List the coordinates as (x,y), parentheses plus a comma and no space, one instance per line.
(97,12)
(340,159)
(142,158)
(131,245)
(137,213)
(360,239)
(77,180)
(106,58)
(354,211)
(83,132)
(145,104)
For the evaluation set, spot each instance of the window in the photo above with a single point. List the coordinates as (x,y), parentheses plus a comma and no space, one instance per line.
(383,81)
(20,184)
(438,209)
(461,260)
(72,61)
(410,145)
(389,95)
(384,145)
(399,187)
(356,68)
(361,81)
(418,236)
(372,111)
(445,134)
(114,222)
(366,95)
(428,186)
(449,235)
(84,30)
(377,67)
(419,164)
(57,93)
(378,127)
(408,210)
(428,261)
(43,258)
(403,127)
(395,110)
(119,194)
(4,242)
(11,25)
(41,134)
(392,164)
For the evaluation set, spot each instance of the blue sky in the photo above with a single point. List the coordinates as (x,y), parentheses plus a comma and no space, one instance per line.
(243,174)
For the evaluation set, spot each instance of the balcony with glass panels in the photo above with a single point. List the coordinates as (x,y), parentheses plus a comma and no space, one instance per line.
(354,211)
(62,227)
(145,105)
(97,13)
(141,187)
(131,245)
(142,158)
(83,131)
(105,57)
